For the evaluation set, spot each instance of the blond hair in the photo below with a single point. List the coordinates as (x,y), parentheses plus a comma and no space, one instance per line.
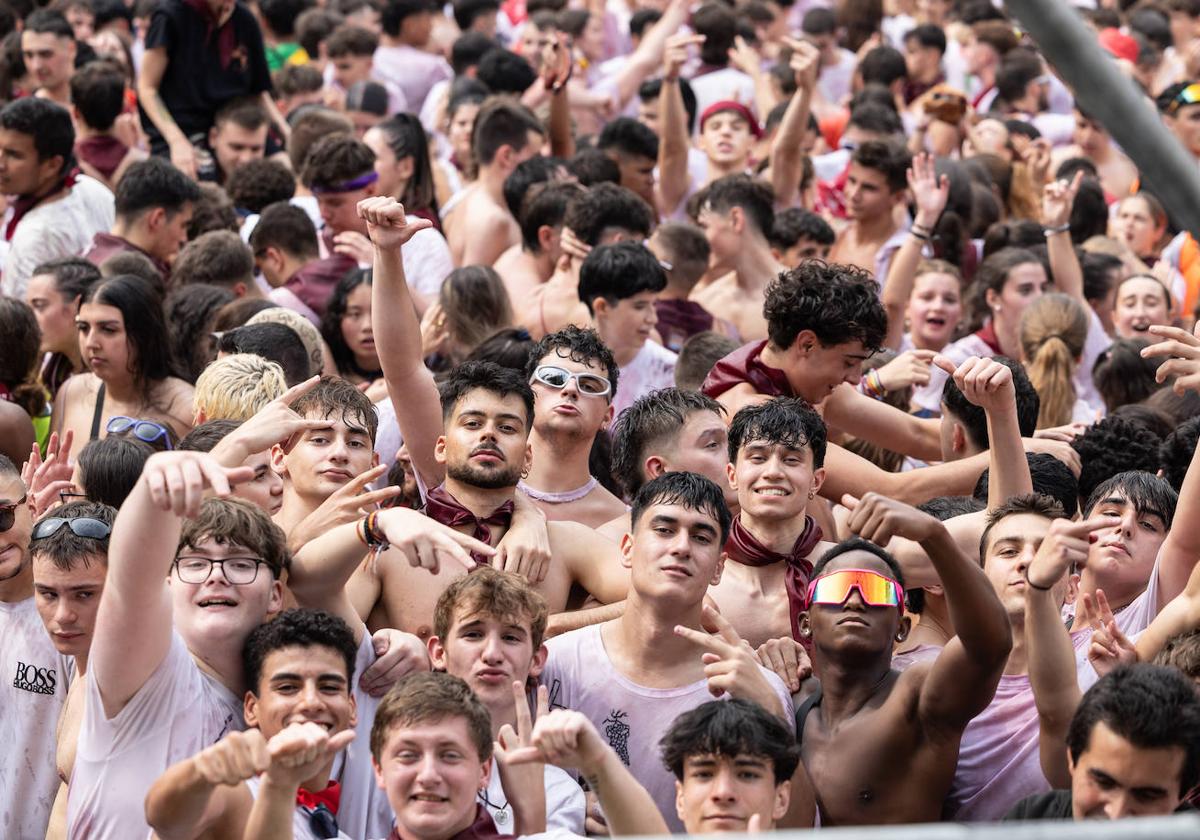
(1053,332)
(237,387)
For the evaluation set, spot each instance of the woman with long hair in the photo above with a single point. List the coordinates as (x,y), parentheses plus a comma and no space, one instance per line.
(22,398)
(347,330)
(402,164)
(54,292)
(123,340)
(472,306)
(1053,333)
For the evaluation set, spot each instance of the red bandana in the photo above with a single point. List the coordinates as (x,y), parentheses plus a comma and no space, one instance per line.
(225,33)
(482,829)
(743,547)
(442,507)
(329,797)
(987,334)
(745,365)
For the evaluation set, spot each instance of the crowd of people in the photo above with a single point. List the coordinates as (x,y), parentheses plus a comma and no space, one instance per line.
(590,417)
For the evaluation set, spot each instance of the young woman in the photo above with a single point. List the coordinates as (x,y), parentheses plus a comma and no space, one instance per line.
(123,339)
(472,306)
(1141,302)
(22,399)
(54,292)
(402,164)
(347,330)
(1053,333)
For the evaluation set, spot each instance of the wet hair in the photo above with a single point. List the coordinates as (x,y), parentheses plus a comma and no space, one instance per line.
(504,596)
(331,322)
(697,357)
(109,468)
(275,342)
(837,303)
(1147,492)
(431,697)
(730,728)
(529,175)
(145,327)
(1043,506)
(237,522)
(618,272)
(502,123)
(310,125)
(1155,419)
(288,228)
(648,424)
(1182,652)
(1098,271)
(755,198)
(1123,376)
(1089,211)
(626,136)
(505,73)
(858,544)
(544,205)
(1113,446)
(207,435)
(245,112)
(486,376)
(592,166)
(651,89)
(796,223)
(335,398)
(66,550)
(690,490)
(579,345)
(718,24)
(783,421)
(297,628)
(1151,707)
(606,207)
(152,183)
(405,136)
(46,122)
(941,509)
(98,93)
(687,251)
(475,304)
(508,348)
(72,275)
(1176,452)
(1053,332)
(258,183)
(1051,477)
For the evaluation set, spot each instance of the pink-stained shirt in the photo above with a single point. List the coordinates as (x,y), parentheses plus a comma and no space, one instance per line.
(413,71)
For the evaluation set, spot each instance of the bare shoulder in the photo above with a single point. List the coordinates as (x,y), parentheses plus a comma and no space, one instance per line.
(575,542)
(740,396)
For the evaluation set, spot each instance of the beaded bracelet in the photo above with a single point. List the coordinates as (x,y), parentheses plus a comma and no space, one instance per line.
(874,385)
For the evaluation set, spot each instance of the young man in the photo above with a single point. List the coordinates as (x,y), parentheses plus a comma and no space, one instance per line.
(238,135)
(630,675)
(54,215)
(402,57)
(800,234)
(218,258)
(488,630)
(683,252)
(964,424)
(350,50)
(479,227)
(776,466)
(737,217)
(69,553)
(618,284)
(287,255)
(36,675)
(236,387)
(854,619)
(48,48)
(924,47)
(1134,744)
(526,266)
(1092,141)
(876,184)
(634,148)
(97,100)
(153,206)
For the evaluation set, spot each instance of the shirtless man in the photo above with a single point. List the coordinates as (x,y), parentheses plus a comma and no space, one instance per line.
(483,451)
(479,227)
(1091,141)
(876,184)
(737,217)
(881,746)
(526,266)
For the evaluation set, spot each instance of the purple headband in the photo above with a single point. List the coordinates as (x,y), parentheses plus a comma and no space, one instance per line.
(348,186)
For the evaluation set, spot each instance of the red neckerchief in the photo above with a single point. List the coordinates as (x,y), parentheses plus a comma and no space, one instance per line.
(5,394)
(482,829)
(743,547)
(101,151)
(745,365)
(23,204)
(987,334)
(442,507)
(979,97)
(329,797)
(224,31)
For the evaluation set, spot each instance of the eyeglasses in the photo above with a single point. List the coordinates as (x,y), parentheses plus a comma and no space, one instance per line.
(65,497)
(8,514)
(875,589)
(1190,95)
(321,822)
(81,526)
(146,431)
(239,571)
(588,383)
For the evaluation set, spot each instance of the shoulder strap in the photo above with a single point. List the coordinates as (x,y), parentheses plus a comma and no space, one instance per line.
(97,413)
(803,711)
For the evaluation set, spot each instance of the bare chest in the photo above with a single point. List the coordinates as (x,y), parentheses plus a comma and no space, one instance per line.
(759,613)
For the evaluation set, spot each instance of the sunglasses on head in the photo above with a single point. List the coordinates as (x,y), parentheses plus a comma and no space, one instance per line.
(146,431)
(1190,95)
(591,384)
(8,514)
(81,526)
(875,589)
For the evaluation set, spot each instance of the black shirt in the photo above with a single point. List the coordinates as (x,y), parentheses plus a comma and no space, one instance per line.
(195,85)
(1055,805)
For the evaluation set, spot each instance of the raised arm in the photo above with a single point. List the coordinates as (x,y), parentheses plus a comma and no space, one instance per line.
(133,623)
(930,195)
(1057,199)
(410,384)
(675,142)
(557,64)
(1181,615)
(963,678)
(786,161)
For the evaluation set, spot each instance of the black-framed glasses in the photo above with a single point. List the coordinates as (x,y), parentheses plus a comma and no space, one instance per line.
(239,571)
(8,514)
(321,822)
(555,377)
(65,497)
(146,431)
(81,526)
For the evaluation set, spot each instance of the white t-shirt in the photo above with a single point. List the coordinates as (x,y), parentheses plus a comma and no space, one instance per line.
(630,717)
(835,79)
(651,369)
(363,810)
(34,689)
(55,230)
(427,261)
(179,711)
(565,802)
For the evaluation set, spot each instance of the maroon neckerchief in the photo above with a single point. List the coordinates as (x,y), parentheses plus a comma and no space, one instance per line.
(987,334)
(442,507)
(745,365)
(5,394)
(24,204)
(743,547)
(329,797)
(482,829)
(224,31)
(103,152)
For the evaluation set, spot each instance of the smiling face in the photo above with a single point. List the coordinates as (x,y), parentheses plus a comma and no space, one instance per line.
(103,342)
(567,411)
(727,140)
(855,629)
(431,772)
(55,315)
(818,369)
(1141,302)
(67,600)
(1115,779)
(934,309)
(719,794)
(489,653)
(323,460)
(1121,560)
(674,554)
(774,481)
(301,684)
(14,542)
(486,440)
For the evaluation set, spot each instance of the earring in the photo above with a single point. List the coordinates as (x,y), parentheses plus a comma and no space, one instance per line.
(811,494)
(525,473)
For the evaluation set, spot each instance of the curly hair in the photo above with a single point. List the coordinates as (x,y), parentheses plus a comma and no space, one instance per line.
(1176,452)
(1112,446)
(578,345)
(837,303)
(301,628)
(606,207)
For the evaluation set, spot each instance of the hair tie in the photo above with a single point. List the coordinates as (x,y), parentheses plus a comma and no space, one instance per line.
(522,334)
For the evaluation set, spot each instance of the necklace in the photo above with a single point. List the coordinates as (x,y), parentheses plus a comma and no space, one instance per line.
(558,498)
(501,815)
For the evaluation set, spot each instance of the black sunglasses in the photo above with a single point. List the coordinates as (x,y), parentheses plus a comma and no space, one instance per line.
(8,514)
(322,823)
(81,526)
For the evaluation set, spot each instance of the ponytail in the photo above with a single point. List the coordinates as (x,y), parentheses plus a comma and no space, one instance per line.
(1050,372)
(1053,332)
